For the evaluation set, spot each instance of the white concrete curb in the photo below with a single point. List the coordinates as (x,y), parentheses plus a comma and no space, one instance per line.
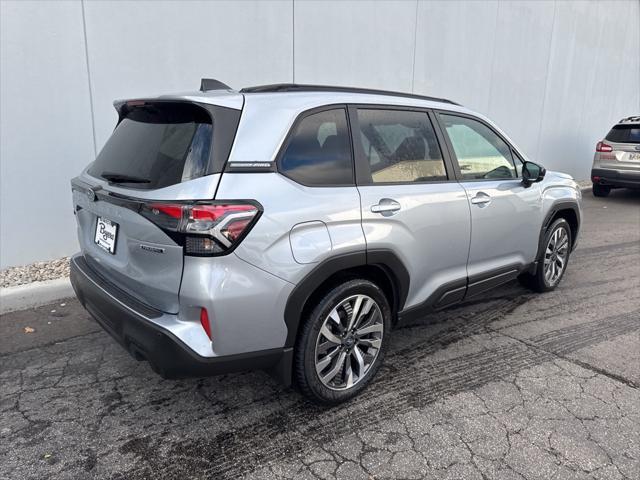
(34,294)
(585,185)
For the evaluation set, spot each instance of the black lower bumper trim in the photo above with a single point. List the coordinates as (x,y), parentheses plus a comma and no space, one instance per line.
(145,340)
(615,178)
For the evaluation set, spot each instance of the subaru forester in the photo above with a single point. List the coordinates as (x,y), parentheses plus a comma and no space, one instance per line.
(291,227)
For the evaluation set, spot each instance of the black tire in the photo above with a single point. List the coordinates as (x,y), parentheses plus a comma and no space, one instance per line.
(538,282)
(600,190)
(304,363)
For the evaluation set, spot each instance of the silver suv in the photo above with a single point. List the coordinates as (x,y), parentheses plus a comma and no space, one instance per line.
(291,227)
(616,162)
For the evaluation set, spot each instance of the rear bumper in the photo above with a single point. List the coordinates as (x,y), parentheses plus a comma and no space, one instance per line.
(615,178)
(133,325)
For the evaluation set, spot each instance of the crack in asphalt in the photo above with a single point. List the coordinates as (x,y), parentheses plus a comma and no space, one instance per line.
(232,453)
(561,349)
(48,344)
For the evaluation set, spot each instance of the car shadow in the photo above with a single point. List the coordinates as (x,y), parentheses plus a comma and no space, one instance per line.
(619,195)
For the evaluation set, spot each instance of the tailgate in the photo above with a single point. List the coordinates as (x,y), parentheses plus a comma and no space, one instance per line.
(144,261)
(160,151)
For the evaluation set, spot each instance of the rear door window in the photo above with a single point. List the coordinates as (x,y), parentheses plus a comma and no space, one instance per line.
(400,146)
(319,150)
(624,134)
(158,144)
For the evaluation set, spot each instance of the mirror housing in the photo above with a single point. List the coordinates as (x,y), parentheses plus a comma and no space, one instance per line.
(532,173)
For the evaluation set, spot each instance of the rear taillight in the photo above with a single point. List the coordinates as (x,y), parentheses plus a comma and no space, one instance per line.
(603,147)
(211,228)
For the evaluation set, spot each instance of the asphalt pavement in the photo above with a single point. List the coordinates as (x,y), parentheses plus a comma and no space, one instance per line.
(514,385)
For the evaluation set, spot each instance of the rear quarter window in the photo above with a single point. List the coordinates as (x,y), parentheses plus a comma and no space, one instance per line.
(318,152)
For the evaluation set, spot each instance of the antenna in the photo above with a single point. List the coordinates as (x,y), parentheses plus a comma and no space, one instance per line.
(207,84)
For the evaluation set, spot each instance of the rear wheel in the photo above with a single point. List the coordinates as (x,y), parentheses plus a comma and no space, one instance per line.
(553,260)
(342,341)
(601,190)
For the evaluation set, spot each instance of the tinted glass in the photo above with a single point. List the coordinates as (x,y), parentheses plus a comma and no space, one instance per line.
(319,152)
(401,146)
(155,146)
(624,134)
(480,152)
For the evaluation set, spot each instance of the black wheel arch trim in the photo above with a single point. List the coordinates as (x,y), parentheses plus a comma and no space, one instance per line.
(557,206)
(384,259)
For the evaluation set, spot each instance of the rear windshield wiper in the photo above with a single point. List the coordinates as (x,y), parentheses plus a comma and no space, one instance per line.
(121,178)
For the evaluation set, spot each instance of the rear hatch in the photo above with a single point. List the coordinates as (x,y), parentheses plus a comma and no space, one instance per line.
(624,143)
(162,156)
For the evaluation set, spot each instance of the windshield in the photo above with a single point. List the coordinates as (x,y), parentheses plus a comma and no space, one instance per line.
(157,145)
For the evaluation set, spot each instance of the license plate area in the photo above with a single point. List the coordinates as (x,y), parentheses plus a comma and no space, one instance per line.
(106,235)
(634,157)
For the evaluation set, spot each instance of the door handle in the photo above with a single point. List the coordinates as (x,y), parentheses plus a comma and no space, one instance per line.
(385,205)
(481,199)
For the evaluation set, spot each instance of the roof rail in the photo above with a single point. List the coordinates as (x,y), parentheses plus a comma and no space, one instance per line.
(294,87)
(634,118)
(207,84)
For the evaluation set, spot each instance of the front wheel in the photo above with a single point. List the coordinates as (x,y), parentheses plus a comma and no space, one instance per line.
(341,343)
(553,260)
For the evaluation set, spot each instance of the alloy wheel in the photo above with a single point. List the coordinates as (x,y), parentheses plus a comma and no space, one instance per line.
(555,256)
(349,342)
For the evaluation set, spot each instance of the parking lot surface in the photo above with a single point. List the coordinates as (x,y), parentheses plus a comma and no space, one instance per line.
(512,385)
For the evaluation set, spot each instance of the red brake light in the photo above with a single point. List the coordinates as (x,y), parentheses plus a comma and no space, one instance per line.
(204,321)
(210,228)
(603,147)
(213,212)
(174,211)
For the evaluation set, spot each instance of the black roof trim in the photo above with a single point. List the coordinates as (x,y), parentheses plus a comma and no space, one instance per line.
(632,119)
(207,84)
(294,87)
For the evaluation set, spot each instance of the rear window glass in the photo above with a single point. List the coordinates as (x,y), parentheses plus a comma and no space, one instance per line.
(624,134)
(157,145)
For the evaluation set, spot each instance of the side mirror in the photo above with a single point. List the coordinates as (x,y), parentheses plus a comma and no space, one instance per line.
(532,173)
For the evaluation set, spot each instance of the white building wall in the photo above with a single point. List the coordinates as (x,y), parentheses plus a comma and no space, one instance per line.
(45,127)
(555,75)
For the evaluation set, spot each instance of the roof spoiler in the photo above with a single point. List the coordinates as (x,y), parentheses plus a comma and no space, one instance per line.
(207,84)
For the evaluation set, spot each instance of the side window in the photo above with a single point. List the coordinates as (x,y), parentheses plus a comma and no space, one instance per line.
(319,152)
(480,152)
(400,146)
